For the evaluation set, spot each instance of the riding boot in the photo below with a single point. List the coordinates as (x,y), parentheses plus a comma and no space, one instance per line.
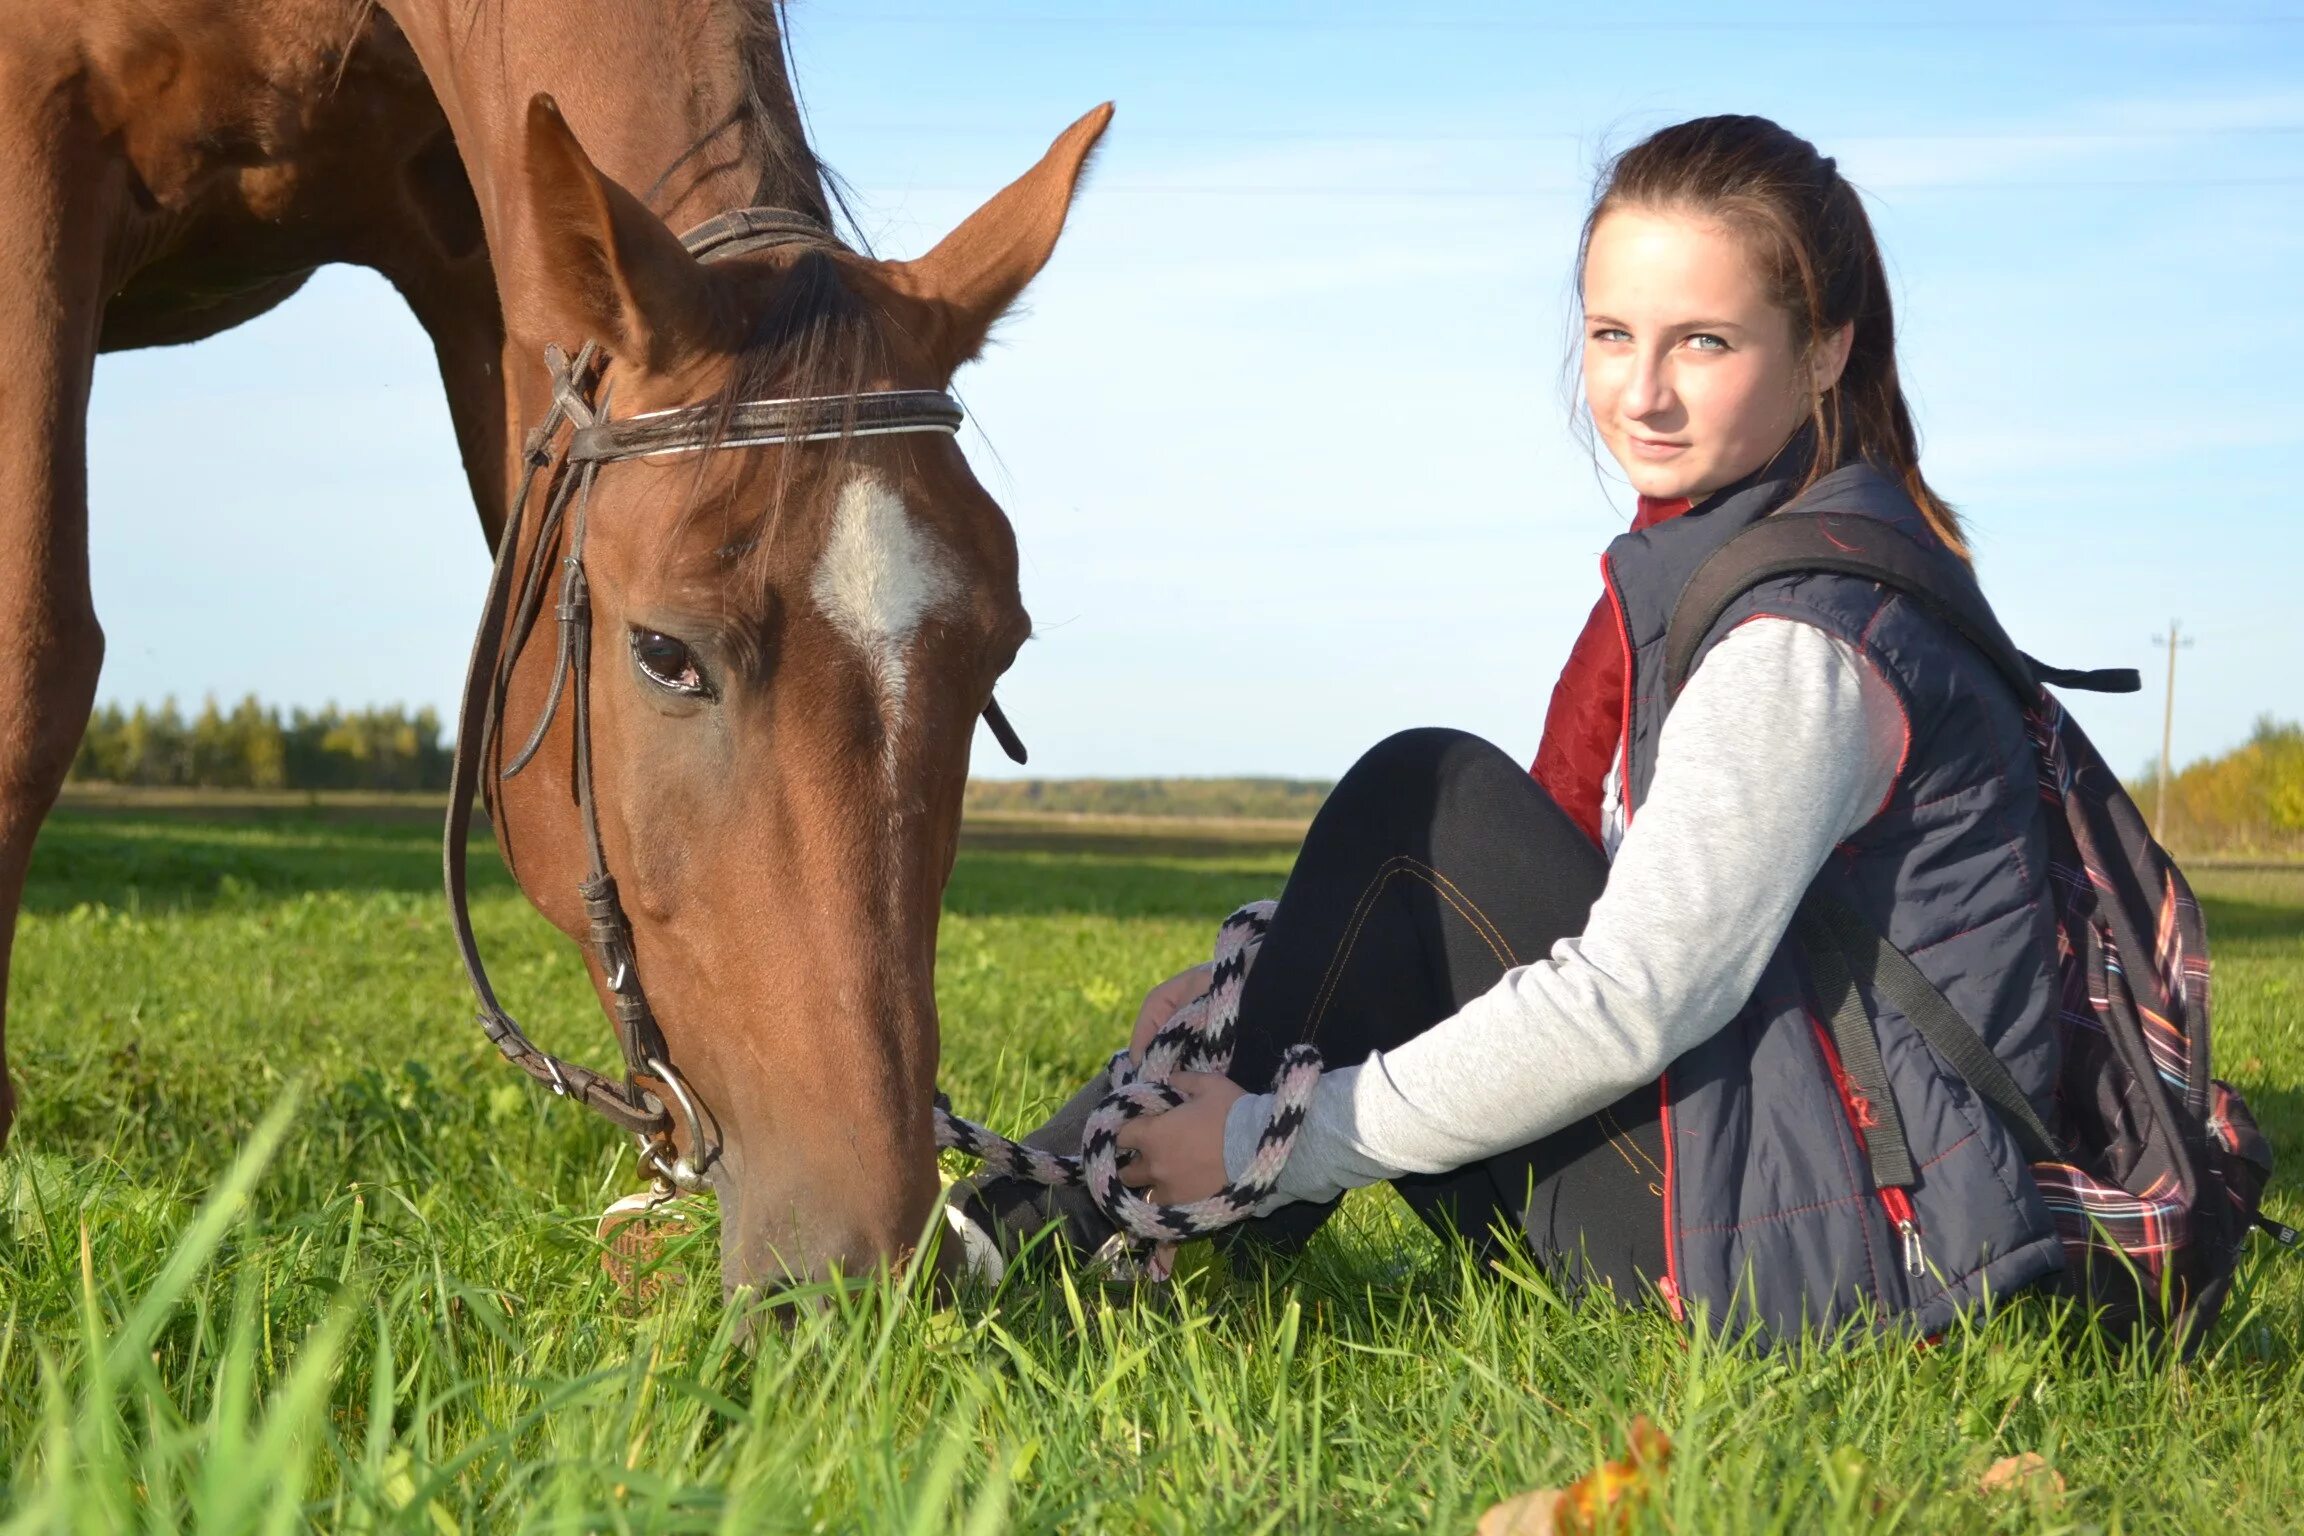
(1010,1211)
(1283,1234)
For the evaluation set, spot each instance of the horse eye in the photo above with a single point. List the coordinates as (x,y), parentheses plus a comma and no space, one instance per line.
(666,661)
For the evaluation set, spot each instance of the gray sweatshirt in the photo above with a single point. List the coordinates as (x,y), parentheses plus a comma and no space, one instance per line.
(1784,743)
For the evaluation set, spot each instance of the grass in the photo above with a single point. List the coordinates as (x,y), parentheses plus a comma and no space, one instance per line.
(282,1245)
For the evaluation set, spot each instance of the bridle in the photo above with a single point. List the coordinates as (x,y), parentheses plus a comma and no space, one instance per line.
(568,468)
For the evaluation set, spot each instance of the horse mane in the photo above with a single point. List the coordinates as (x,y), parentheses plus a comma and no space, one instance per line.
(771,121)
(768,117)
(813,336)
(770,102)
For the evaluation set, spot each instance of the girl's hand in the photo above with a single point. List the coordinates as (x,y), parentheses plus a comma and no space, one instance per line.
(1180,1155)
(1161,1003)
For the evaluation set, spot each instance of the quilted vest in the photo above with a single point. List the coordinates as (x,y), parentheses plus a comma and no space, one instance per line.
(1771,1217)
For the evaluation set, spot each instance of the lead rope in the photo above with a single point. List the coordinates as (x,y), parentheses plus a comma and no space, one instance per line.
(1198,1038)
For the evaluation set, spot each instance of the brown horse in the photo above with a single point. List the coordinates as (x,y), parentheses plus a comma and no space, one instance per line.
(793,642)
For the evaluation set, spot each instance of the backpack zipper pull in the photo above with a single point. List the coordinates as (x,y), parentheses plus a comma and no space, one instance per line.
(1898,1205)
(1915,1262)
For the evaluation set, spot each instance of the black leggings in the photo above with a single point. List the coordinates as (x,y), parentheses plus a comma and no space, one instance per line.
(1435,865)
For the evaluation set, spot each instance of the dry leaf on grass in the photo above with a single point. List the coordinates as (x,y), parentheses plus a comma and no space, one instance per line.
(2028,1473)
(1596,1504)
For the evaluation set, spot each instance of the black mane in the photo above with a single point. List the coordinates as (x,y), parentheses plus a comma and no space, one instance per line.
(769,124)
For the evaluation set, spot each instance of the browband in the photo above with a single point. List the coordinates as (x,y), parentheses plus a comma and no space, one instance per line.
(600,439)
(760,423)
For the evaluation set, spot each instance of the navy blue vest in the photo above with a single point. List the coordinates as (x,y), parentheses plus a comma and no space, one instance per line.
(1771,1216)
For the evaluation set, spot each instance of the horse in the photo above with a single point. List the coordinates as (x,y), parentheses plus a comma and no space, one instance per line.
(795,633)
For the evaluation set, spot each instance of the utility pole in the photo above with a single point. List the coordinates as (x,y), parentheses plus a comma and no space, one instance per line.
(2175,640)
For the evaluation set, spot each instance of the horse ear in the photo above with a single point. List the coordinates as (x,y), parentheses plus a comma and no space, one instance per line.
(976,272)
(612,271)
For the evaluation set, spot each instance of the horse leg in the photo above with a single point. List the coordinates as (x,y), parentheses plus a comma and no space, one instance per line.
(460,314)
(55,185)
(436,258)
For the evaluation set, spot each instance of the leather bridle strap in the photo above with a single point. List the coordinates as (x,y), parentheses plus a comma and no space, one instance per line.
(510,613)
(755,423)
(622,1103)
(595,439)
(642,1041)
(741,231)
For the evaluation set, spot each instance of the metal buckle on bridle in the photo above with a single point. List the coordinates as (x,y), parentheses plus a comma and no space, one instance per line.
(670,1172)
(659,1152)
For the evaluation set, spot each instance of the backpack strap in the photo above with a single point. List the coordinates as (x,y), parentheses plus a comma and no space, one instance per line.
(1793,543)
(1885,1144)
(1842,948)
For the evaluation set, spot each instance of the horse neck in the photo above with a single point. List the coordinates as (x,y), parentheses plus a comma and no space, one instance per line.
(688,106)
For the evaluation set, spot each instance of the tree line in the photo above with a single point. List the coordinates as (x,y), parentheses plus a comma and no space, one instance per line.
(2248,801)
(252,746)
(1288,799)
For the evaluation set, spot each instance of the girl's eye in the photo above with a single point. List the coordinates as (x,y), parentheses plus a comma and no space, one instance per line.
(667,662)
(1705,341)
(1611,333)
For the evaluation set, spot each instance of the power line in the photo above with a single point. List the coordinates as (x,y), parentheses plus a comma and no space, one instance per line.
(977,22)
(1287,134)
(1582,189)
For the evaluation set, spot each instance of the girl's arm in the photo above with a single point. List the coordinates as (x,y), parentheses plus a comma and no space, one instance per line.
(1783,744)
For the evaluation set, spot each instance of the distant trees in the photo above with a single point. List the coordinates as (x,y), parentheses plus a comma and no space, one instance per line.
(255,747)
(2250,800)
(1280,799)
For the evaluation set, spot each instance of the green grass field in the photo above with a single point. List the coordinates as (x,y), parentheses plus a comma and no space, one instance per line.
(283,1244)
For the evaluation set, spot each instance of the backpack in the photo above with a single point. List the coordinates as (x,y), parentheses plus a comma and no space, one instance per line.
(2154,1172)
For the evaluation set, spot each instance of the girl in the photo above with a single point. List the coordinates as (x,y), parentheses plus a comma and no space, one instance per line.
(1567,1003)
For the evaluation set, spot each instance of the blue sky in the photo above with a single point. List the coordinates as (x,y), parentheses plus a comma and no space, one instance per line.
(1283,429)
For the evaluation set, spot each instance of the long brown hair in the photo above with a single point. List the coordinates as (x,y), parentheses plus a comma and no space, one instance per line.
(1812,244)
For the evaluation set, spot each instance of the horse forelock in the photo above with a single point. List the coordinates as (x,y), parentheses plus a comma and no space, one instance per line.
(809,335)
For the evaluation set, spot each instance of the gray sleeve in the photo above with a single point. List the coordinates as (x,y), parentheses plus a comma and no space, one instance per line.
(1785,742)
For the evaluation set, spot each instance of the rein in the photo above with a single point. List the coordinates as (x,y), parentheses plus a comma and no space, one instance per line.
(568,468)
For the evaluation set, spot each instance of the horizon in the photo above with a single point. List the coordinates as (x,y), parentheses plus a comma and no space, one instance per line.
(1294,376)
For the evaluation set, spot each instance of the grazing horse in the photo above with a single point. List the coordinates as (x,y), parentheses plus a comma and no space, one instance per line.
(791,641)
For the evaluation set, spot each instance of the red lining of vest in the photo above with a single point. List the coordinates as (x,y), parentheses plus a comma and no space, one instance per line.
(1861,1120)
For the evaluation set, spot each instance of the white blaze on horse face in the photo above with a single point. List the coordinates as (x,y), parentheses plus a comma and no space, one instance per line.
(879,576)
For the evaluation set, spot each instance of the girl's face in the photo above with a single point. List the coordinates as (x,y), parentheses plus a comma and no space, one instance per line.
(1689,370)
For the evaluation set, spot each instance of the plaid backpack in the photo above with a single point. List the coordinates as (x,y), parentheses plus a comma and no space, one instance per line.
(2154,1171)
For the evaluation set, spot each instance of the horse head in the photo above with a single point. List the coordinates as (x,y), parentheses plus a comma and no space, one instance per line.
(788,643)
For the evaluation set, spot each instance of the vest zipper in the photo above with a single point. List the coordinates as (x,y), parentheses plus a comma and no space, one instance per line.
(1895,1203)
(1669,1286)
(1899,1207)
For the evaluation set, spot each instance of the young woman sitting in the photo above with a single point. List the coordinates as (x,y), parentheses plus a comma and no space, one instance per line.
(1567,1004)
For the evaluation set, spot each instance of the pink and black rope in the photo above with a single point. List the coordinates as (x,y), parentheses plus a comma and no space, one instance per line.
(1198,1038)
